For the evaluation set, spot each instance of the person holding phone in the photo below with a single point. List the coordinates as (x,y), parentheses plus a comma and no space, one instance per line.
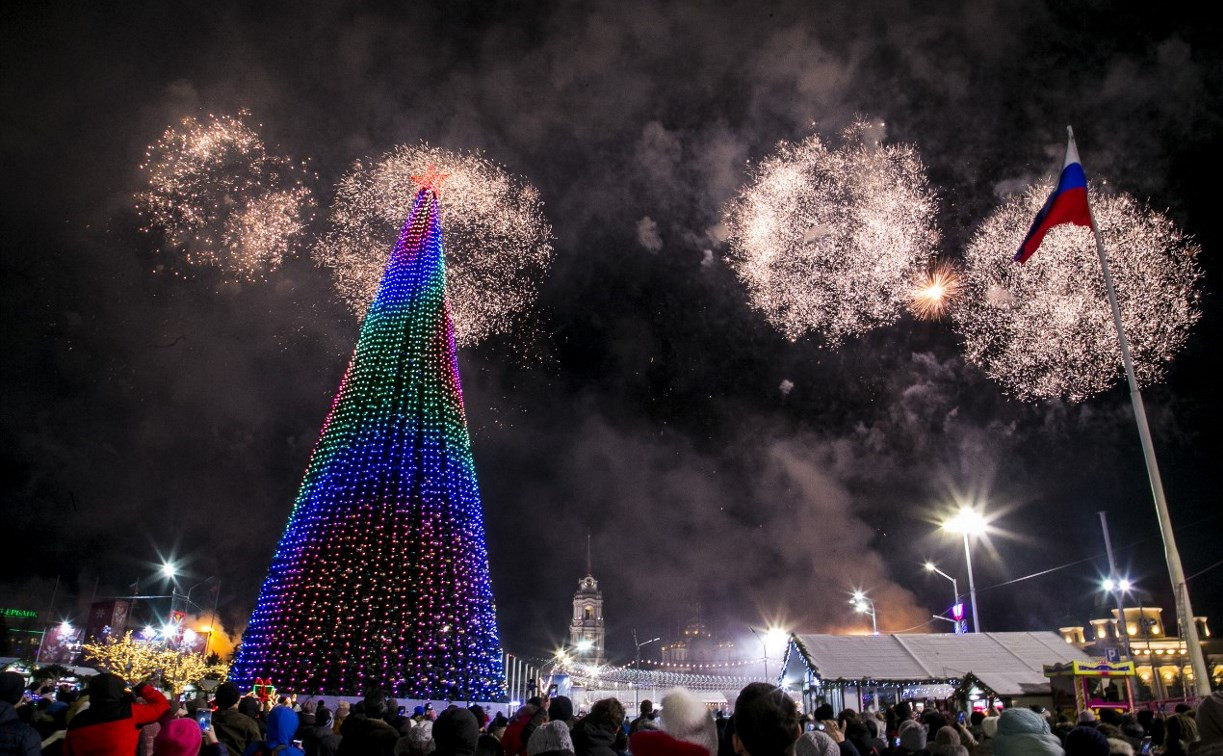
(17,735)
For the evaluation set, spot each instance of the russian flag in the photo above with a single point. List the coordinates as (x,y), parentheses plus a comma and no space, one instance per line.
(1067,204)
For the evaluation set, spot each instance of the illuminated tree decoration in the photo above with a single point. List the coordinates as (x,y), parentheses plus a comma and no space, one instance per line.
(381,577)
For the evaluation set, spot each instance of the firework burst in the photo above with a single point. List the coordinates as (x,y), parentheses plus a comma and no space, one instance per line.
(1044,329)
(830,240)
(934,291)
(498,242)
(220,198)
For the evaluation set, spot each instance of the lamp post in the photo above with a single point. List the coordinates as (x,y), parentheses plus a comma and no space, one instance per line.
(865,605)
(968,522)
(955,588)
(637,688)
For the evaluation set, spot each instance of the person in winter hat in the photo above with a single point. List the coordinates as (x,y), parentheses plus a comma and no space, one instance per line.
(765,721)
(947,742)
(596,733)
(551,739)
(365,733)
(418,740)
(1023,732)
(1210,727)
(1086,741)
(111,723)
(560,709)
(518,732)
(912,735)
(16,737)
(321,740)
(816,743)
(178,737)
(1182,732)
(233,728)
(455,732)
(686,728)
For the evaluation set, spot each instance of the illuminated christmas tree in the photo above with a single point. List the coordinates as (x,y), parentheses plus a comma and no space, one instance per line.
(381,577)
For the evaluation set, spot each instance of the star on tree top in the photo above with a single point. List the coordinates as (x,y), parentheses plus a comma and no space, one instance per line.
(431,180)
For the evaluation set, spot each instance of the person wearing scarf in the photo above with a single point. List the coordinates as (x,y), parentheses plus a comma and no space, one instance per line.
(111,725)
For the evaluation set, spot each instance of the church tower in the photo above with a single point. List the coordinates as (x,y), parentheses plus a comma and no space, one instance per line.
(587,635)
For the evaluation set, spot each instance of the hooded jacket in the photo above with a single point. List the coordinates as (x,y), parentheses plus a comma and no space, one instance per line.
(282,727)
(111,724)
(1023,732)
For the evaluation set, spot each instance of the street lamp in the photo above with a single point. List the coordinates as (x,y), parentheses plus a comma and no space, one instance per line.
(968,522)
(864,605)
(955,587)
(775,634)
(637,688)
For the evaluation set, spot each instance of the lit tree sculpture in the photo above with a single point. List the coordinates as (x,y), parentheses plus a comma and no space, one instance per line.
(136,659)
(381,577)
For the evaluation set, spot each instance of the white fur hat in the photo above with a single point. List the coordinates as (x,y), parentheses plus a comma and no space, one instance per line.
(685,717)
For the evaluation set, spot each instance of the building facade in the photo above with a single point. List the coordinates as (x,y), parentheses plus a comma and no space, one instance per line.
(1160,657)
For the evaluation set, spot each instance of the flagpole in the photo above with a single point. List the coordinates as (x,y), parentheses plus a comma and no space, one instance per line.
(1184,610)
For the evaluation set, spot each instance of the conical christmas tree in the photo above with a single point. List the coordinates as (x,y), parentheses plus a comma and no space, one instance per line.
(381,577)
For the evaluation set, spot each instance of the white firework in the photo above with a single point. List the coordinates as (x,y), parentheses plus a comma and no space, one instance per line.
(497,242)
(221,199)
(829,241)
(1044,328)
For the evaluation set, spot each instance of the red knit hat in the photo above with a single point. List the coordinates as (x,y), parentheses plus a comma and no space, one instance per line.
(659,743)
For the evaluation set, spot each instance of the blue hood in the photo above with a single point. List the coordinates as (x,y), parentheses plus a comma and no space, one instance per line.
(282,725)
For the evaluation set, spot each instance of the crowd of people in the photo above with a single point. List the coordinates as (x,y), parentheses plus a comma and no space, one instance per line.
(110,718)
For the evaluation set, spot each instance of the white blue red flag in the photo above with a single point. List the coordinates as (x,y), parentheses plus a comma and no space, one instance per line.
(1067,204)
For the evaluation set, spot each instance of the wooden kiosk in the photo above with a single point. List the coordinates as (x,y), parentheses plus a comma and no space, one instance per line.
(1078,686)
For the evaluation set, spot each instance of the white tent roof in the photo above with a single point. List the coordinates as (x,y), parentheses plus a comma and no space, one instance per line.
(1008,663)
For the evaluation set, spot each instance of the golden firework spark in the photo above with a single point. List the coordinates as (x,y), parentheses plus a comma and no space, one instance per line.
(934,292)
(829,240)
(221,200)
(498,242)
(1044,329)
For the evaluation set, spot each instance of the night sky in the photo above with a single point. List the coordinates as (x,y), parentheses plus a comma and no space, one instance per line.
(149,414)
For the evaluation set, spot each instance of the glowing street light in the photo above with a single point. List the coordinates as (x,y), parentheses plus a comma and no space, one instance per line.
(864,605)
(169,571)
(968,522)
(955,588)
(774,634)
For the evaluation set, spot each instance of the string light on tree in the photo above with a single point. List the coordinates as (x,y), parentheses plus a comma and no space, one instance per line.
(381,577)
